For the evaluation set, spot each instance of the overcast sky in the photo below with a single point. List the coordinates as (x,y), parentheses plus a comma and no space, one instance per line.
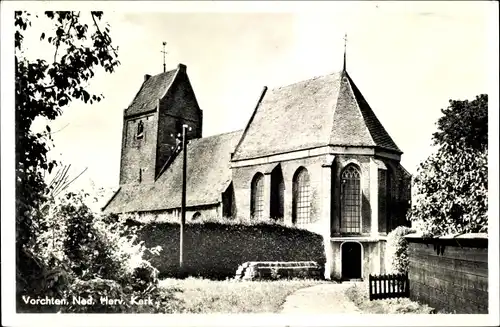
(408,59)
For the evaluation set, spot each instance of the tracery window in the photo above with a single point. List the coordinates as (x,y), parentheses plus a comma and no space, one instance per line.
(350,222)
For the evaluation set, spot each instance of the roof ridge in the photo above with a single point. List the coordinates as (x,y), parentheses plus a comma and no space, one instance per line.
(383,139)
(349,82)
(247,127)
(304,80)
(169,85)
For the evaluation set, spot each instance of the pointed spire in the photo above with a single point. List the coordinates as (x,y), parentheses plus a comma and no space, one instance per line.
(345,50)
(164,54)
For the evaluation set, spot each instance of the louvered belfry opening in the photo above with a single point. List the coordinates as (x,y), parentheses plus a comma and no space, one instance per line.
(257,197)
(350,219)
(301,213)
(277,194)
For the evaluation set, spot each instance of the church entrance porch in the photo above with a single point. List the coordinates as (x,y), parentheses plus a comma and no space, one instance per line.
(354,258)
(351,260)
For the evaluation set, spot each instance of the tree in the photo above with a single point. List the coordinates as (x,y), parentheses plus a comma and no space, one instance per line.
(451,186)
(81,42)
(464,123)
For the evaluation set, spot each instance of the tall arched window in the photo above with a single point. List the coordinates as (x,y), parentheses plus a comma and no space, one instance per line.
(257,197)
(277,193)
(301,213)
(350,220)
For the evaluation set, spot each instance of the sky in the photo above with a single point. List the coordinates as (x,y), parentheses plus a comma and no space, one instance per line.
(408,59)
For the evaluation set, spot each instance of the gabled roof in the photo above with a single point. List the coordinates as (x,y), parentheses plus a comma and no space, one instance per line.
(208,176)
(150,92)
(326,110)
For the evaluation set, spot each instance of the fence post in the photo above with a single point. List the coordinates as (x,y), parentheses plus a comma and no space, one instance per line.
(370,287)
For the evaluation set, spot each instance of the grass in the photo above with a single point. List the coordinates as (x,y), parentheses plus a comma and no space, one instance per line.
(359,295)
(196,295)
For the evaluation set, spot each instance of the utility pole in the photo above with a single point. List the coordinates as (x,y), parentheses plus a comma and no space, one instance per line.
(183,201)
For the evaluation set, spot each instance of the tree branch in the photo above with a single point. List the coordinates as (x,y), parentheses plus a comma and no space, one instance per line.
(71,23)
(99,31)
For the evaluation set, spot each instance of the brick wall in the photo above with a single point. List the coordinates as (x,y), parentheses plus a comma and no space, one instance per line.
(215,250)
(450,274)
(178,107)
(138,153)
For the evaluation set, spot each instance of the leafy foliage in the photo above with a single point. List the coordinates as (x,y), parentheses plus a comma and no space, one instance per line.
(43,89)
(451,187)
(464,123)
(91,255)
(396,250)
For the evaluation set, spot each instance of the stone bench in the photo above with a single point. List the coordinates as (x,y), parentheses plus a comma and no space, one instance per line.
(270,270)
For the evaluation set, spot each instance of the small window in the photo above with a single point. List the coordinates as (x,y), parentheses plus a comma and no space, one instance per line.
(140,130)
(196,216)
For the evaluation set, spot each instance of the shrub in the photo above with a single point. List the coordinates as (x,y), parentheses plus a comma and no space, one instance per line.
(81,253)
(95,289)
(396,250)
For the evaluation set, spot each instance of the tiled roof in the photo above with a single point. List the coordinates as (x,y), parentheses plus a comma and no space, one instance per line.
(151,90)
(208,176)
(326,110)
(379,135)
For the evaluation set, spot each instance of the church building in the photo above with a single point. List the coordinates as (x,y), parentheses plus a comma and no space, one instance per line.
(313,155)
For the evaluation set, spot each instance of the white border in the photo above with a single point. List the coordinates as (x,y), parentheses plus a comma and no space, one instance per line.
(7,180)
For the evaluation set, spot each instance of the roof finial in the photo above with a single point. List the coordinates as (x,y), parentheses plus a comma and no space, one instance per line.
(345,50)
(164,53)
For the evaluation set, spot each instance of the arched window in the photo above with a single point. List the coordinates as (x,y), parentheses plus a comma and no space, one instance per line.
(196,216)
(277,193)
(301,212)
(350,221)
(257,197)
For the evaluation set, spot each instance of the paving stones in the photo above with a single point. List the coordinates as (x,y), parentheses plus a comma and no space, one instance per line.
(328,298)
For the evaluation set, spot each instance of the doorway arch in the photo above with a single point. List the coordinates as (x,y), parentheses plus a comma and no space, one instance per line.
(351,257)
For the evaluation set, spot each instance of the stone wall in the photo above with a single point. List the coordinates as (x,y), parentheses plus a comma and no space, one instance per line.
(450,274)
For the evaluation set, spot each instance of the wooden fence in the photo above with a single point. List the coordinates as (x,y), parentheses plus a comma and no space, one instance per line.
(388,286)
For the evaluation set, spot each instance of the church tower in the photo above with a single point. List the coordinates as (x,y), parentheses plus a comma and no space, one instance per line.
(152,122)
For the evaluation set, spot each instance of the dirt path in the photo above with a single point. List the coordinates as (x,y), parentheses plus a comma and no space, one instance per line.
(324,298)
